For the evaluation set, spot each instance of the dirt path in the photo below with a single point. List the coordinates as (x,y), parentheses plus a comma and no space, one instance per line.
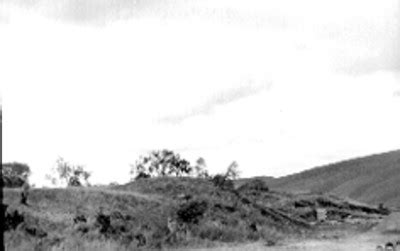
(363,242)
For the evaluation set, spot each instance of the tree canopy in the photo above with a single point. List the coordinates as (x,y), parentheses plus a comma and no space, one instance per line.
(161,163)
(71,175)
(15,174)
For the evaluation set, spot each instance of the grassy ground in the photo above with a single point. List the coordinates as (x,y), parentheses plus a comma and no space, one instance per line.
(135,216)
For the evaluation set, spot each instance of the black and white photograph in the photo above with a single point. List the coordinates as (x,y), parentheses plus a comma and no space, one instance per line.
(215,125)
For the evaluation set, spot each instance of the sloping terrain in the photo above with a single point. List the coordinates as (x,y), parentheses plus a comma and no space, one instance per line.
(63,218)
(374,179)
(172,212)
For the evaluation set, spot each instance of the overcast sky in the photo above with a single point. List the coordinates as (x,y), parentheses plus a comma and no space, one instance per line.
(279,86)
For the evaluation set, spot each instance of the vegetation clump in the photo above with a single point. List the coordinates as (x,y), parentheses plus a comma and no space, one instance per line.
(225,181)
(159,164)
(13,220)
(222,182)
(69,174)
(256,185)
(192,211)
(15,174)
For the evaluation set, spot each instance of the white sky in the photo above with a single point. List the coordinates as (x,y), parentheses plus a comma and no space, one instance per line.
(278,86)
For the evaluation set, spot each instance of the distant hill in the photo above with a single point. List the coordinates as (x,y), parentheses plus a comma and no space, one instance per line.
(373,179)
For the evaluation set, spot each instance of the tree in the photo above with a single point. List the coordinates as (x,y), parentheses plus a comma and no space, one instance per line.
(232,172)
(225,181)
(161,163)
(16,169)
(71,175)
(15,174)
(200,168)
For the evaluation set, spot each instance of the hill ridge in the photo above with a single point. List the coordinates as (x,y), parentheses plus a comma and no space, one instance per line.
(372,179)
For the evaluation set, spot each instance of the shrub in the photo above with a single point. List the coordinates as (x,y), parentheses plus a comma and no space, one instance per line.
(222,182)
(117,226)
(191,212)
(35,232)
(13,220)
(255,185)
(103,222)
(80,218)
(225,181)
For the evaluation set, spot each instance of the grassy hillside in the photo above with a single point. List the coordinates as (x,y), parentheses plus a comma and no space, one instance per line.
(374,179)
(137,215)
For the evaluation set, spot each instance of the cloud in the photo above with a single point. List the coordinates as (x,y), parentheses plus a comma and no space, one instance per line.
(89,12)
(357,38)
(217,99)
(374,48)
(289,128)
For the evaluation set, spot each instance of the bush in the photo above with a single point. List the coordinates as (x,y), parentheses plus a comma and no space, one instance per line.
(13,220)
(117,226)
(191,212)
(255,185)
(80,218)
(222,182)
(103,222)
(225,181)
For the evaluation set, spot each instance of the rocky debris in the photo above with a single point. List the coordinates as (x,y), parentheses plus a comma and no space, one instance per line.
(325,209)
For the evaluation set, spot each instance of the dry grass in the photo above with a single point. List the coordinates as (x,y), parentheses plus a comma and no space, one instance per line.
(140,210)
